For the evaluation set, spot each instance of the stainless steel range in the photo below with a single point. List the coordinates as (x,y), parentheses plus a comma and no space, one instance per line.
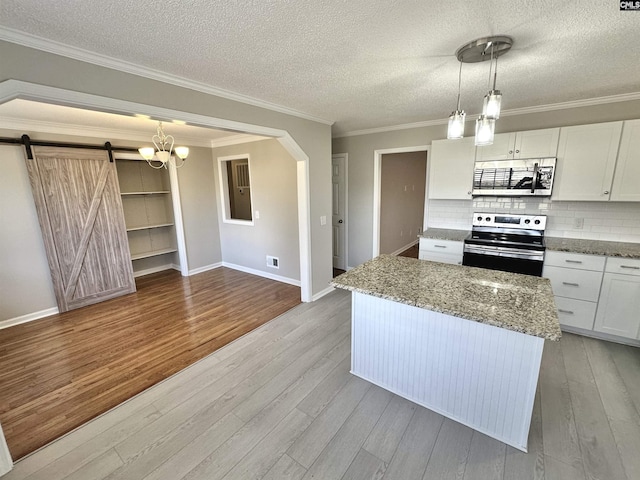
(507,242)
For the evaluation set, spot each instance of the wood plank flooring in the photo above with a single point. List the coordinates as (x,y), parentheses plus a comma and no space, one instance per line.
(57,373)
(280,403)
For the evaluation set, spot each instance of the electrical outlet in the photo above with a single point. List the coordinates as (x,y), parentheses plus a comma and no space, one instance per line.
(257,214)
(578,223)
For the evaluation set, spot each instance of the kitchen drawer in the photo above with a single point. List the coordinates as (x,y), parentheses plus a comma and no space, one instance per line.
(441,246)
(576,313)
(625,266)
(573,283)
(440,257)
(574,260)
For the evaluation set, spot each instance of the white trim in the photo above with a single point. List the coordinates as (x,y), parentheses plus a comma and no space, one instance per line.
(59,128)
(408,245)
(176,203)
(159,268)
(205,268)
(58,48)
(322,293)
(260,273)
(225,199)
(377,186)
(6,462)
(624,97)
(29,317)
(10,89)
(236,140)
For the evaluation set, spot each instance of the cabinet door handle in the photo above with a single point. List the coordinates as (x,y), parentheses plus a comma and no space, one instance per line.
(440,246)
(571,284)
(606,192)
(517,151)
(565,311)
(510,152)
(630,266)
(573,261)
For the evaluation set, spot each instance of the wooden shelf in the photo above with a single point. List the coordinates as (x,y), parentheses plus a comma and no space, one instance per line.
(154,253)
(158,192)
(146,227)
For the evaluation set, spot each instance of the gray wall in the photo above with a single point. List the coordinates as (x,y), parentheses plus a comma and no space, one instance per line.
(402,192)
(274,195)
(25,280)
(38,67)
(361,157)
(199,209)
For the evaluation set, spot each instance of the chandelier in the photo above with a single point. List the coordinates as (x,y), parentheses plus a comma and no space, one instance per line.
(487,48)
(161,156)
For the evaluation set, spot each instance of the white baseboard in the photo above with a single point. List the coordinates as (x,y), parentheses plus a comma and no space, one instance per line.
(159,268)
(206,268)
(260,273)
(322,293)
(400,250)
(29,317)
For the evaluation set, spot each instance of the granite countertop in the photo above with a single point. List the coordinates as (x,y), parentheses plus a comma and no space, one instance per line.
(522,303)
(573,245)
(445,234)
(593,247)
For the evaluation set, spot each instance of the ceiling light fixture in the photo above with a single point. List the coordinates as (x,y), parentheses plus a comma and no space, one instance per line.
(486,48)
(162,152)
(457,118)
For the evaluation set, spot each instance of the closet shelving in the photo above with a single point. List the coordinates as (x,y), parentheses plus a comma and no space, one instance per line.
(148,212)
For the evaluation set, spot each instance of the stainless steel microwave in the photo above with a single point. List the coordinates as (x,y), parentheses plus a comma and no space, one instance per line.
(514,178)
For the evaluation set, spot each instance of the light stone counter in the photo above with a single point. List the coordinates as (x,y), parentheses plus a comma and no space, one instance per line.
(521,303)
(445,234)
(593,247)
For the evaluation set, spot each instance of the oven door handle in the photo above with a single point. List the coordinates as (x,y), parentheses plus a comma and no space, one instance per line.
(505,252)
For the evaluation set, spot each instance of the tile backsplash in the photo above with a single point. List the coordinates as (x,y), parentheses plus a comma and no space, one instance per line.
(619,221)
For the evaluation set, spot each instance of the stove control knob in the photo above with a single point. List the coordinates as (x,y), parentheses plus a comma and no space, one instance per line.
(537,222)
(479,219)
(527,221)
(488,219)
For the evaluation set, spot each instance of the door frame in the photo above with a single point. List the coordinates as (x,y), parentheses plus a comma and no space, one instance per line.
(12,89)
(377,188)
(345,156)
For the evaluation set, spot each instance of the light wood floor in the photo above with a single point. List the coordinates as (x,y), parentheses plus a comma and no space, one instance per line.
(58,373)
(280,403)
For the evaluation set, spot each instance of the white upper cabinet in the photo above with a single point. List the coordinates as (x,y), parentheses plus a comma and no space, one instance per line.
(626,180)
(529,144)
(451,169)
(586,161)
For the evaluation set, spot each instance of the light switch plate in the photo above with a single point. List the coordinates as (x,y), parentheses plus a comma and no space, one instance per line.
(323,220)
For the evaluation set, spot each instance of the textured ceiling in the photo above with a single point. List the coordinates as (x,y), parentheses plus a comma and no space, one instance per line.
(360,63)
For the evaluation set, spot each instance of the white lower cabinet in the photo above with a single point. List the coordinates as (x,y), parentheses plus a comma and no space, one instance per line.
(443,251)
(575,279)
(596,293)
(619,306)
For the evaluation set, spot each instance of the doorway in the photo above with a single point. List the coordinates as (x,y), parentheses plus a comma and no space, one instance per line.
(400,179)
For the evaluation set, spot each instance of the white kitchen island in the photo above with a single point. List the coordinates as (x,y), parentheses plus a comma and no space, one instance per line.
(462,341)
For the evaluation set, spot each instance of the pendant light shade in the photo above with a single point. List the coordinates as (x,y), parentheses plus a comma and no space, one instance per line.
(457,118)
(485,128)
(456,125)
(161,155)
(492,102)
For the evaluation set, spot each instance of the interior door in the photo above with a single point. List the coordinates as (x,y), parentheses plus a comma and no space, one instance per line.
(79,208)
(338,217)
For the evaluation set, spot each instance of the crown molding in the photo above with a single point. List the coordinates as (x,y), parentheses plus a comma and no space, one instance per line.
(236,140)
(60,128)
(58,48)
(625,97)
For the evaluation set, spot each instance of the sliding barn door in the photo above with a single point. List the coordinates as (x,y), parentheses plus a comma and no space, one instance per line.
(79,207)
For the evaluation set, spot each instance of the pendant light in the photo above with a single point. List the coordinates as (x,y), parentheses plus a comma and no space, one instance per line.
(493,99)
(480,50)
(457,118)
(162,152)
